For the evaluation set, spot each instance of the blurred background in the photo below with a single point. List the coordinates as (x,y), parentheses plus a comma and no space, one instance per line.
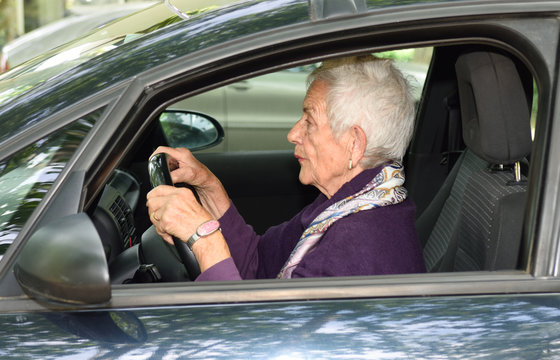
(52,23)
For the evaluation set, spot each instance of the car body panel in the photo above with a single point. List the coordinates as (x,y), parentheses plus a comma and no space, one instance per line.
(247,123)
(496,327)
(259,112)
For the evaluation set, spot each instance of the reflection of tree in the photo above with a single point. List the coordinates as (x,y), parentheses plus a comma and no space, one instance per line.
(8,23)
(41,163)
(499,327)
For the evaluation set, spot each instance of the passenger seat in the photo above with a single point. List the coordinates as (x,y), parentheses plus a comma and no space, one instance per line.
(475,221)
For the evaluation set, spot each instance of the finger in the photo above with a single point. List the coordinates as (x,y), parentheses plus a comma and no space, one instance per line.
(154,217)
(194,173)
(160,191)
(184,167)
(186,174)
(167,211)
(168,239)
(165,236)
(163,149)
(174,156)
(156,200)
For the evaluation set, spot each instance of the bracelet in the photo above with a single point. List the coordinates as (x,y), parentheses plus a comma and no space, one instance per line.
(206,228)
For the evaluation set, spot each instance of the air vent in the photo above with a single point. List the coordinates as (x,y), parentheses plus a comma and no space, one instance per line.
(123,216)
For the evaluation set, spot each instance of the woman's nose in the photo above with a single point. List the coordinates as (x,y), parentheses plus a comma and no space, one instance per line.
(295,134)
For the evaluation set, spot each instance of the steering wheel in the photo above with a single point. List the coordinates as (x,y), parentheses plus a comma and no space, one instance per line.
(158,169)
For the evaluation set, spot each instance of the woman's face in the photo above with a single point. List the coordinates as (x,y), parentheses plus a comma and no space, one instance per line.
(324,160)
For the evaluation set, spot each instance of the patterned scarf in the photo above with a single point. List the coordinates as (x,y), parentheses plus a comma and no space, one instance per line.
(385,189)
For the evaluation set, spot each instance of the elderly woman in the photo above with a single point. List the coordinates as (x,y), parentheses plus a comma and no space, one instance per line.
(357,121)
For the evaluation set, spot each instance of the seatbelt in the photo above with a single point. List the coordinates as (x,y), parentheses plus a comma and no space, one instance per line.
(453,147)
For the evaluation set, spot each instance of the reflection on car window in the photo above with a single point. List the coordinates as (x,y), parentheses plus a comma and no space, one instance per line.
(28,175)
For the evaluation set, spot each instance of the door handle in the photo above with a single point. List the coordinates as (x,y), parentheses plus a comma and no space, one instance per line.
(242,85)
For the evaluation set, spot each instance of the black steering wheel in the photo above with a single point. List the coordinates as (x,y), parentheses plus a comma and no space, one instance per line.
(158,169)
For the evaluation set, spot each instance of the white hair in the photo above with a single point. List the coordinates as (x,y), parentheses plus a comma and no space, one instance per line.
(369,92)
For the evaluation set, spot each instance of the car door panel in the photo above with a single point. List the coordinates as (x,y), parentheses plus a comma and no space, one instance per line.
(503,327)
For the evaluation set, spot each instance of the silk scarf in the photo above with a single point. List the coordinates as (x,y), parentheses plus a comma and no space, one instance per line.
(385,189)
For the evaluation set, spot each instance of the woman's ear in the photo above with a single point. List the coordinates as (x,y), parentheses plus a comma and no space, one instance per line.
(359,143)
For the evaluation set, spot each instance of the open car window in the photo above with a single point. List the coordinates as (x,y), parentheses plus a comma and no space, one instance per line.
(256,165)
(257,113)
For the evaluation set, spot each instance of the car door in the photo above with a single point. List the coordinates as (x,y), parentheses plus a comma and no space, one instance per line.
(456,327)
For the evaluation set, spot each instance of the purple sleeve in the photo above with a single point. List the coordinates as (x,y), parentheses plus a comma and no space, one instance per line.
(254,256)
(225,270)
(242,242)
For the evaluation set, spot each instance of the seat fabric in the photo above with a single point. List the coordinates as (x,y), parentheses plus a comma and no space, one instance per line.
(479,225)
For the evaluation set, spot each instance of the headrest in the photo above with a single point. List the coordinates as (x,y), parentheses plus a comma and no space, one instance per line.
(495,109)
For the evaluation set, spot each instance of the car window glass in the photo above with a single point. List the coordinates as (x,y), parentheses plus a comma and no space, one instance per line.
(27,176)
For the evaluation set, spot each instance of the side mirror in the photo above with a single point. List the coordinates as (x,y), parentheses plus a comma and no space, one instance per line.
(63,263)
(191,130)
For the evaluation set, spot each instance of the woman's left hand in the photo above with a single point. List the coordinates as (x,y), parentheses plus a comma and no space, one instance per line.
(176,212)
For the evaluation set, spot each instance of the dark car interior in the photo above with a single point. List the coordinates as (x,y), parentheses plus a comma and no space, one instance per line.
(467,169)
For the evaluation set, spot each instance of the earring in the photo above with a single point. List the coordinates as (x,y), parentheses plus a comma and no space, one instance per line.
(350,165)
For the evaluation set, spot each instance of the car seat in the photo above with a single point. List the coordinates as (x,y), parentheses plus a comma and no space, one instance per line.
(475,220)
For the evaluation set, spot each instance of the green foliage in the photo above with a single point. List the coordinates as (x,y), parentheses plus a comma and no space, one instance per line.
(404,55)
(7,21)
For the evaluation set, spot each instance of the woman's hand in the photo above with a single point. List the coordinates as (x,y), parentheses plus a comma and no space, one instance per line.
(176,212)
(186,169)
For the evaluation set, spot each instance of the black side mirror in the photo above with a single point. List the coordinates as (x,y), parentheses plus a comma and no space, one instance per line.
(63,263)
(191,130)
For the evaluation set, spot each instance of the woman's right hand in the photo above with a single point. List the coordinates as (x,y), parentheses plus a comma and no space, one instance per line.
(185,168)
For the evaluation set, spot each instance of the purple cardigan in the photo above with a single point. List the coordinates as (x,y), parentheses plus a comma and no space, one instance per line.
(372,242)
